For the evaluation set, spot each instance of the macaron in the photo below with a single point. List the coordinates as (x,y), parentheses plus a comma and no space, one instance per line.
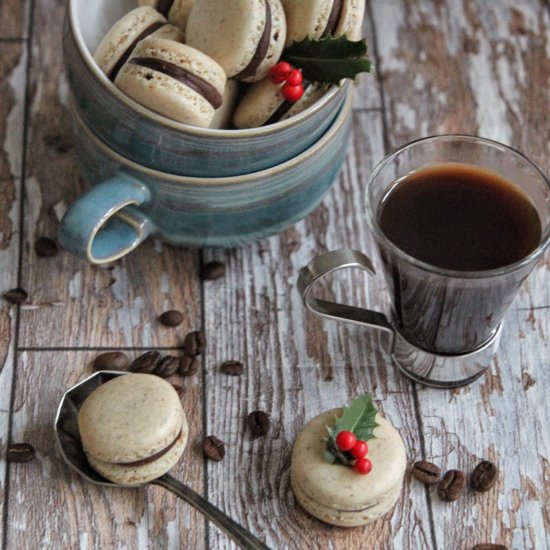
(263,104)
(133,428)
(320,18)
(117,45)
(246,37)
(176,11)
(174,80)
(223,117)
(336,494)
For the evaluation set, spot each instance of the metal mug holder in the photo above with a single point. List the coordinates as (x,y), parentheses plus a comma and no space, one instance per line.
(425,367)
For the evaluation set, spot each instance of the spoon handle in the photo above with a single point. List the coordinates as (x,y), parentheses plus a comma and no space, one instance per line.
(245,539)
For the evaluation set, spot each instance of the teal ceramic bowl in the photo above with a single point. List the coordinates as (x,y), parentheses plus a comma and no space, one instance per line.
(130,201)
(159,143)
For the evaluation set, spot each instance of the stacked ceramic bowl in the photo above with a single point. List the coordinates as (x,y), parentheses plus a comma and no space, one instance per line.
(190,186)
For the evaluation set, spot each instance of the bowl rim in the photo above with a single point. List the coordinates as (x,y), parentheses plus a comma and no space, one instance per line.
(251,177)
(118,95)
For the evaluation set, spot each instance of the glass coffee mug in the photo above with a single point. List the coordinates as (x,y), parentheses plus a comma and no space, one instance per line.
(445,323)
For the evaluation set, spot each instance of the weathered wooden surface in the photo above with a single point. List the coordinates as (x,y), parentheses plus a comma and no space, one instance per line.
(443,66)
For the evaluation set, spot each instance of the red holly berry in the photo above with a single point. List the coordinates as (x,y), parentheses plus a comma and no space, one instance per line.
(292,93)
(360,449)
(345,440)
(363,466)
(294,78)
(280,72)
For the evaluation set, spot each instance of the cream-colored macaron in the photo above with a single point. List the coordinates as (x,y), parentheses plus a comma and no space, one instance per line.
(133,428)
(263,103)
(174,80)
(246,37)
(119,43)
(319,18)
(336,494)
(176,11)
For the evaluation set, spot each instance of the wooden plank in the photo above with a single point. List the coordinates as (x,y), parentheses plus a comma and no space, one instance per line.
(87,306)
(13,18)
(13,60)
(484,68)
(71,512)
(297,366)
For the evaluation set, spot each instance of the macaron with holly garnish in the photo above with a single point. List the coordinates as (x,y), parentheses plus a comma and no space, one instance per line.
(348,465)
(318,19)
(176,11)
(118,44)
(246,37)
(283,94)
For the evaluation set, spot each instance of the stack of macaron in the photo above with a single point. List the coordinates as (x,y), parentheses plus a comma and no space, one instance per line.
(188,59)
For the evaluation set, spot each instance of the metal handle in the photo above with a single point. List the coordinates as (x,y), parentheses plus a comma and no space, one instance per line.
(329,263)
(239,534)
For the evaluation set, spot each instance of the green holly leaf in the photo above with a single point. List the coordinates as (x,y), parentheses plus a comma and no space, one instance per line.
(360,418)
(329,60)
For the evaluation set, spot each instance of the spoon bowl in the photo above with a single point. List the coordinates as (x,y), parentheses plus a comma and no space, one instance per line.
(69,443)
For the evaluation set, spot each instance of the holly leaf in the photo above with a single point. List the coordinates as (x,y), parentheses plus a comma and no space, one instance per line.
(360,418)
(329,60)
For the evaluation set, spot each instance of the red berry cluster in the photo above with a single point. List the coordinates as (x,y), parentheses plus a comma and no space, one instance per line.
(293,88)
(347,442)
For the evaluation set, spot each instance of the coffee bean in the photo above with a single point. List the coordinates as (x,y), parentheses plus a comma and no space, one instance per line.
(426,472)
(20,452)
(451,485)
(145,363)
(45,247)
(172,318)
(488,546)
(213,448)
(15,295)
(195,343)
(188,365)
(111,360)
(212,271)
(179,390)
(484,476)
(232,368)
(167,366)
(258,422)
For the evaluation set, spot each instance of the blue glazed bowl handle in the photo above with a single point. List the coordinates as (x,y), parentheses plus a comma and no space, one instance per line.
(103,225)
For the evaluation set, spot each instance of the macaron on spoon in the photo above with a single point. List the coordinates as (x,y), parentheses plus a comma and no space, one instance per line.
(69,443)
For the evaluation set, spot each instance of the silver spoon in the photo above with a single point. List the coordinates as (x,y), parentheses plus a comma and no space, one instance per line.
(68,441)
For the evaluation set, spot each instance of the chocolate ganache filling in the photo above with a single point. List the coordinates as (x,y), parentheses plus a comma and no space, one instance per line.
(151,458)
(261,50)
(333,18)
(205,89)
(164,6)
(124,57)
(283,108)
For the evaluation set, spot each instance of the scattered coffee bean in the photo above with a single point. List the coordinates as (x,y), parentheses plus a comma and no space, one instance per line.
(188,365)
(172,318)
(484,476)
(232,368)
(45,247)
(213,448)
(488,546)
(451,485)
(111,360)
(195,343)
(145,363)
(258,422)
(212,271)
(15,295)
(179,390)
(20,452)
(167,366)
(426,472)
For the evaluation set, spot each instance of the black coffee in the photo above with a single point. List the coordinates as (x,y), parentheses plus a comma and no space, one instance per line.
(457,216)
